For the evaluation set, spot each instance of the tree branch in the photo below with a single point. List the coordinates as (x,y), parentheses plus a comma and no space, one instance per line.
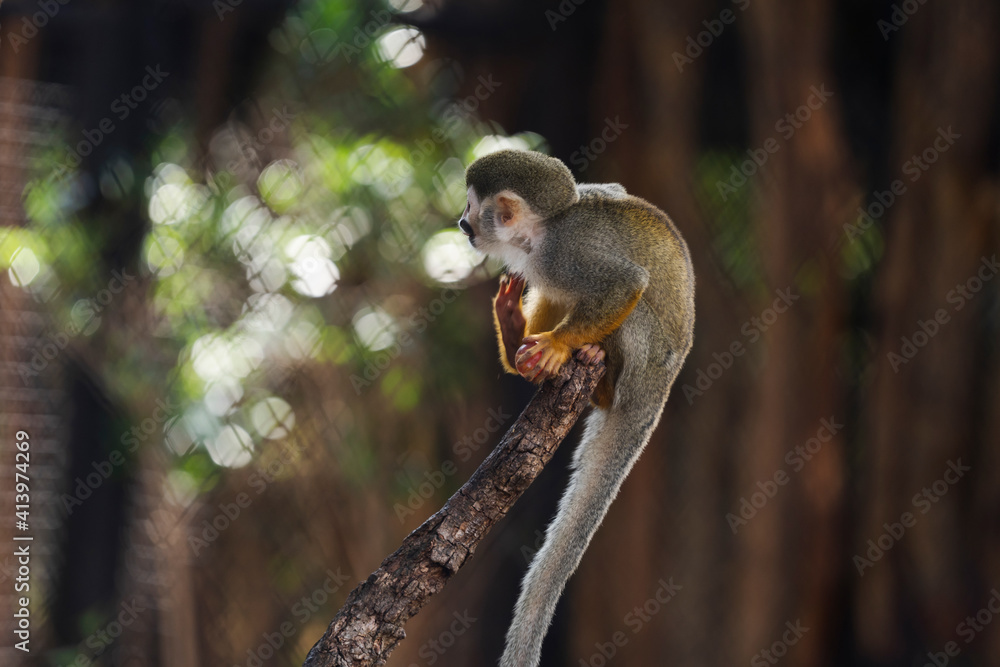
(370,624)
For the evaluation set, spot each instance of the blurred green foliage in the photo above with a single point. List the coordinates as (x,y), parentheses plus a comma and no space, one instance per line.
(312,229)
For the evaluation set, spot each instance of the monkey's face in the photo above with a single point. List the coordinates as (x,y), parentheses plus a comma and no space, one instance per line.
(469,222)
(496,224)
(479,221)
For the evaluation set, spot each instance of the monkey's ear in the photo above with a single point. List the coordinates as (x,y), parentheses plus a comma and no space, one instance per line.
(508,208)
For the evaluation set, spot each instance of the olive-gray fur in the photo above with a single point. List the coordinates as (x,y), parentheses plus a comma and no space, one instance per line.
(595,251)
(544,182)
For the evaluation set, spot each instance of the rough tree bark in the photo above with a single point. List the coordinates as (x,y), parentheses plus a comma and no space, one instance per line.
(370,624)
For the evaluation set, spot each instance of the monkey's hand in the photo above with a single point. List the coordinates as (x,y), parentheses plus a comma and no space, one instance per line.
(509,317)
(541,356)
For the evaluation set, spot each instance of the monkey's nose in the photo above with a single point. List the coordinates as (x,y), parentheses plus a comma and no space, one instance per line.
(466,228)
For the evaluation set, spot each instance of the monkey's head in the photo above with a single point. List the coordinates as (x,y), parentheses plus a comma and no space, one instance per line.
(510,192)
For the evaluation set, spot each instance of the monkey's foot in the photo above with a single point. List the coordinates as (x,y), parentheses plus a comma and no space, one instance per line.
(541,356)
(590,354)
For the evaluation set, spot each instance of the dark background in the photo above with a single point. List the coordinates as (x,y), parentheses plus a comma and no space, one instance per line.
(868,538)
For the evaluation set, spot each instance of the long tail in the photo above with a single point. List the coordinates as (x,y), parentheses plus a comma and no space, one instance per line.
(609,448)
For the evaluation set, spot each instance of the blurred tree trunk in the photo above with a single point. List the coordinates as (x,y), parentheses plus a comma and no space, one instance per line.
(788,574)
(669,516)
(933,408)
(739,591)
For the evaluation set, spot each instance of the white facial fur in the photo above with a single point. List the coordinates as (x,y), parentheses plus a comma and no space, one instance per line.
(511,242)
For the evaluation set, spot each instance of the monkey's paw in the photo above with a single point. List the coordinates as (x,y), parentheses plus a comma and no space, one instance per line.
(541,356)
(590,353)
(508,305)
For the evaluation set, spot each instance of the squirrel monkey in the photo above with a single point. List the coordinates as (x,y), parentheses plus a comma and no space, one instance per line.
(608,276)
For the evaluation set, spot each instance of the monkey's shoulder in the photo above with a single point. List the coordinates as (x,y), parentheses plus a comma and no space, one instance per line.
(608,204)
(590,191)
(627,226)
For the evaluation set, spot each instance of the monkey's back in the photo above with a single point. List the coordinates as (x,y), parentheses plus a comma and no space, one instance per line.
(645,235)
